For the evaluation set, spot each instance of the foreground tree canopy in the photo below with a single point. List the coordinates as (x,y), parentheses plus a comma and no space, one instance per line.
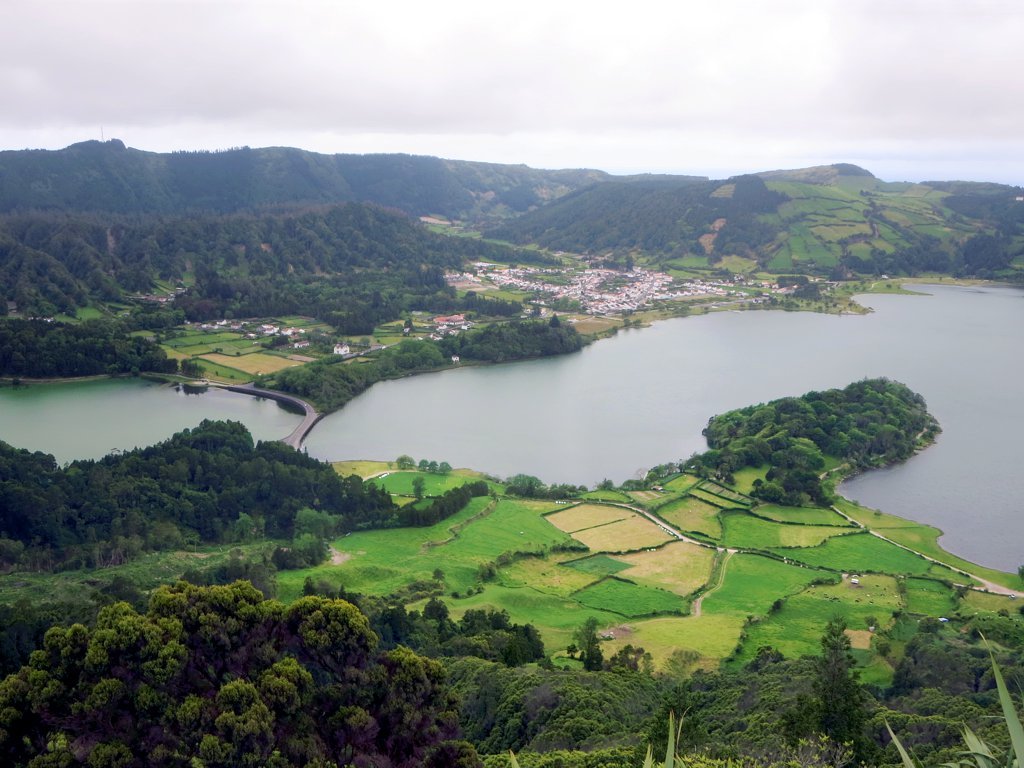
(219,676)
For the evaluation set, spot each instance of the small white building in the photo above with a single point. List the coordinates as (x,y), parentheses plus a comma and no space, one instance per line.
(341,349)
(455,359)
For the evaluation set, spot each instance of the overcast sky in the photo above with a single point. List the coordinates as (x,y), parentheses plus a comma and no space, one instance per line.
(910,90)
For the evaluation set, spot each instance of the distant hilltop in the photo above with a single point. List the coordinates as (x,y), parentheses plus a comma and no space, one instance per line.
(834,221)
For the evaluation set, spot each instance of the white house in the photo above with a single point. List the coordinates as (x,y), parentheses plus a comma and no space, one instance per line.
(341,349)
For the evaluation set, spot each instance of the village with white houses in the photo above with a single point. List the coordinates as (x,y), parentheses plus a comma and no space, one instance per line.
(605,291)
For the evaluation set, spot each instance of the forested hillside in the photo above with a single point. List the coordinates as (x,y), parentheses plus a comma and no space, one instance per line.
(110,177)
(35,348)
(352,265)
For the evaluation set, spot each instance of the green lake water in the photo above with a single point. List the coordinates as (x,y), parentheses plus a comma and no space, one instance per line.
(87,420)
(641,398)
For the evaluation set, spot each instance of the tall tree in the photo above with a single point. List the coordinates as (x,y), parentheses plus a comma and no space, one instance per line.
(841,701)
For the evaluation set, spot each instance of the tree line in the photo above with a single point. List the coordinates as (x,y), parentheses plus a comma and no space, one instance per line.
(422,514)
(35,348)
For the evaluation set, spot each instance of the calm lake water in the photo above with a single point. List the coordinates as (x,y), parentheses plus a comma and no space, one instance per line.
(641,398)
(87,420)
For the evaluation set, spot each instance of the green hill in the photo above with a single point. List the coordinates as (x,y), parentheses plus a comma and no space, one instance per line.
(108,176)
(834,220)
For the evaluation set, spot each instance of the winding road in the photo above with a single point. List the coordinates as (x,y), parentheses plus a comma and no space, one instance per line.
(312,416)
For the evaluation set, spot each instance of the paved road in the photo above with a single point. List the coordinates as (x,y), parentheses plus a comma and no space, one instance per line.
(299,433)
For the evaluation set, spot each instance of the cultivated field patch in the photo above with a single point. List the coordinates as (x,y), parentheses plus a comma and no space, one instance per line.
(599,565)
(681,483)
(929,597)
(859,552)
(726,493)
(744,477)
(692,514)
(385,561)
(585,516)
(801,515)
(710,638)
(748,532)
(364,469)
(556,617)
(545,575)
(630,600)
(401,483)
(751,584)
(712,499)
(633,533)
(679,567)
(253,364)
(795,629)
(614,496)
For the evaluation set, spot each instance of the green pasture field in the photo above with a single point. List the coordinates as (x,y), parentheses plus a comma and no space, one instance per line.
(88,313)
(599,565)
(546,575)
(860,250)
(924,539)
(929,597)
(745,477)
(737,264)
(364,469)
(691,514)
(679,567)
(613,496)
(173,354)
(630,600)
(796,628)
(713,499)
(251,364)
(635,532)
(202,338)
(801,515)
(987,602)
(384,561)
(712,637)
(400,483)
(645,498)
(193,349)
(680,483)
(709,486)
(745,531)
(689,262)
(782,259)
(222,372)
(751,584)
(857,552)
(584,516)
(832,233)
(557,618)
(299,321)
